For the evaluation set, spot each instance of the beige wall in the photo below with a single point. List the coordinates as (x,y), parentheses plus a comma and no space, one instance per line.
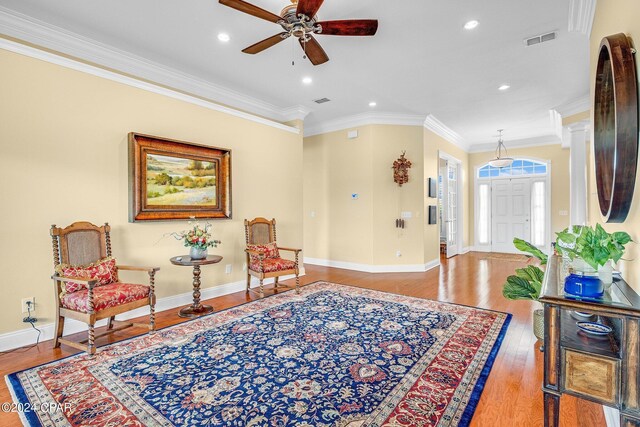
(337,227)
(433,146)
(612,17)
(559,158)
(64,151)
(362,231)
(390,200)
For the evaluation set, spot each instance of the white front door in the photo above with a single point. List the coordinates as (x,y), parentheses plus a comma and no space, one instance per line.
(510,213)
(451,208)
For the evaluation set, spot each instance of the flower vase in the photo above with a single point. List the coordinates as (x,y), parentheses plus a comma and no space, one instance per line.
(583,281)
(605,273)
(197,253)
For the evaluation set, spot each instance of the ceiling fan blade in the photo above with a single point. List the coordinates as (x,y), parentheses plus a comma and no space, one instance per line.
(309,7)
(314,51)
(266,43)
(245,7)
(351,27)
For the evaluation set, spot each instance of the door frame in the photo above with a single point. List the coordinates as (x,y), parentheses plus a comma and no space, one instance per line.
(534,178)
(442,155)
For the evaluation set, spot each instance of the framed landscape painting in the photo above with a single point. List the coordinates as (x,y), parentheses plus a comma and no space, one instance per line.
(177,180)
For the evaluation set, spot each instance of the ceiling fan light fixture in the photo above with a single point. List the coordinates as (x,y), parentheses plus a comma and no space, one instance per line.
(224,37)
(300,20)
(307,80)
(501,161)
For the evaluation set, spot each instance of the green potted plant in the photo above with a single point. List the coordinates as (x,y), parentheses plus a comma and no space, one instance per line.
(527,283)
(591,250)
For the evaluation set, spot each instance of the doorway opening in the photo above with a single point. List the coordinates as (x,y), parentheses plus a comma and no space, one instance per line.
(450,204)
(513,202)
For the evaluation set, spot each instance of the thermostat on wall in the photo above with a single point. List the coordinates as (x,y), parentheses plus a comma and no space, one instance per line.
(354,196)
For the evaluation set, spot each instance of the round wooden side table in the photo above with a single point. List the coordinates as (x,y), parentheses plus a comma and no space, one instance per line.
(195,309)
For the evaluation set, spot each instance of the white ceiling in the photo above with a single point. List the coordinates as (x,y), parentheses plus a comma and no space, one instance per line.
(420,62)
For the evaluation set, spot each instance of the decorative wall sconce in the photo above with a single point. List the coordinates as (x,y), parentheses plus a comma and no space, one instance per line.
(401,170)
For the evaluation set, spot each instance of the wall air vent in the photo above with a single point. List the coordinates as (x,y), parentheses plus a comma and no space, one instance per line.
(321,100)
(547,37)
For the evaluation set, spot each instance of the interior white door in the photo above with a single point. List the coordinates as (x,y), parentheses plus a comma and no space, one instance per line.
(451,209)
(510,213)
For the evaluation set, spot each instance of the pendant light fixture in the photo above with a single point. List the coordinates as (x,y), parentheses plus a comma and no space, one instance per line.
(502,160)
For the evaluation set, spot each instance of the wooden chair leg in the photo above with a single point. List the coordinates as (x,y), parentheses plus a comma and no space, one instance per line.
(248,281)
(297,283)
(275,283)
(59,329)
(261,287)
(152,302)
(110,322)
(91,348)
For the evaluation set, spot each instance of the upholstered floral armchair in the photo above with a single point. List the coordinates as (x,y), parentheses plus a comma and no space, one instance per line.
(263,255)
(87,284)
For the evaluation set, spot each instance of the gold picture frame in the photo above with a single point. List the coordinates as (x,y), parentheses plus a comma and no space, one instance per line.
(176,180)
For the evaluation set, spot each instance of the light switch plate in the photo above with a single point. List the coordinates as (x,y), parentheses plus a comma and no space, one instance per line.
(406,214)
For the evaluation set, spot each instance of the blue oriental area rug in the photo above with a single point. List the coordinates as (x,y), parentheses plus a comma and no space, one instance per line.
(332,356)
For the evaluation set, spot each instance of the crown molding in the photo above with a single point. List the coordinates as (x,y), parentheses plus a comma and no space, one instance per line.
(297,112)
(73,64)
(363,119)
(440,129)
(23,27)
(579,105)
(536,141)
(581,14)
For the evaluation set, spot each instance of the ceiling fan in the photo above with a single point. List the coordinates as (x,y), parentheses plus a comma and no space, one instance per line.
(299,20)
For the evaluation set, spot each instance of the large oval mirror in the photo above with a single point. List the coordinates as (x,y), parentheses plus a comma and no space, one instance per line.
(615,127)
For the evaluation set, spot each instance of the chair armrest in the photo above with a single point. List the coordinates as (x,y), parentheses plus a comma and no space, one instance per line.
(132,268)
(256,253)
(88,282)
(289,249)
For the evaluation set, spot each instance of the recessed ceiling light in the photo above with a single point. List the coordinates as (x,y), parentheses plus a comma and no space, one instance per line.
(307,80)
(504,87)
(471,25)
(224,37)
(373,104)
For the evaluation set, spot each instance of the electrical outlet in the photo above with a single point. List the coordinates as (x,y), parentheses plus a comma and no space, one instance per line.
(398,254)
(227,268)
(24,302)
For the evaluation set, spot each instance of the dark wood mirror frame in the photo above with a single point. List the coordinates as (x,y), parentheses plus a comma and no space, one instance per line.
(615,126)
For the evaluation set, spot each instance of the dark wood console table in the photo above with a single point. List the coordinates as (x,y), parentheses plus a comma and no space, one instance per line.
(603,369)
(197,308)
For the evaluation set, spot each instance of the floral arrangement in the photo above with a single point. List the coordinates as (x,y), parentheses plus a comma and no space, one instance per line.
(197,236)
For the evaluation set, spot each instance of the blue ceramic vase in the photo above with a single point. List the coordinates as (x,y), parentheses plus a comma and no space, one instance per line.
(583,285)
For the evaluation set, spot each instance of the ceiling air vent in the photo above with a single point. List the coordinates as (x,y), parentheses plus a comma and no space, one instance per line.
(321,100)
(540,39)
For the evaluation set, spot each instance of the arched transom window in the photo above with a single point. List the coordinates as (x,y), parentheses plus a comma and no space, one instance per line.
(519,167)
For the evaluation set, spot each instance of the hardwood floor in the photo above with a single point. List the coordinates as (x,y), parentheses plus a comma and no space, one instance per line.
(511,396)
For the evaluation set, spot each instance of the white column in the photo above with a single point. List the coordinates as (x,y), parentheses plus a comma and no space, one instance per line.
(578,135)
